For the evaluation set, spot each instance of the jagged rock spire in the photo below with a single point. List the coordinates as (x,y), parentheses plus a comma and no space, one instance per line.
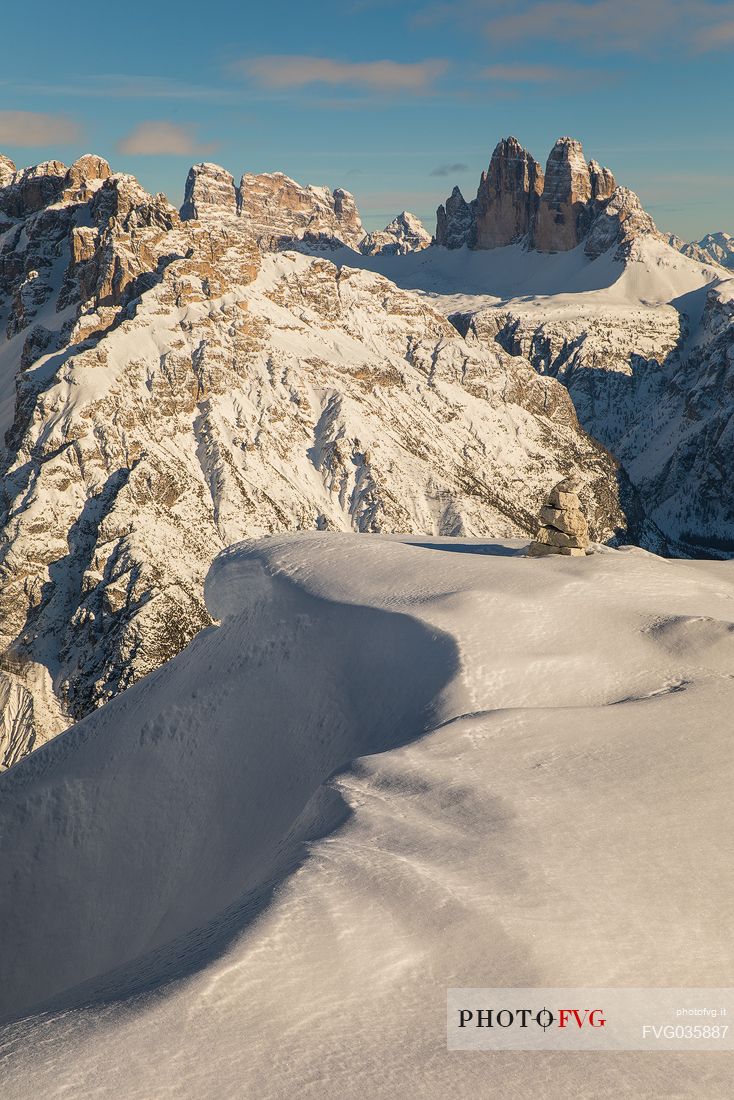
(210,189)
(564,205)
(456,223)
(508,195)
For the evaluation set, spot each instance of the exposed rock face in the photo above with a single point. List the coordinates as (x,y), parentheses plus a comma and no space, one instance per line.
(679,447)
(210,190)
(456,223)
(273,209)
(563,528)
(602,181)
(611,362)
(619,222)
(551,212)
(32,189)
(563,212)
(404,234)
(84,175)
(508,196)
(276,209)
(7,170)
(200,393)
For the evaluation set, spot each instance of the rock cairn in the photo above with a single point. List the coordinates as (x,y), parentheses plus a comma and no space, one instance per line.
(563,528)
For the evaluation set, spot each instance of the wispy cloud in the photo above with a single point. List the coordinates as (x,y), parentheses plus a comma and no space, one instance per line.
(720,36)
(124,86)
(448,169)
(150,139)
(281,71)
(604,26)
(510,77)
(27,129)
(522,74)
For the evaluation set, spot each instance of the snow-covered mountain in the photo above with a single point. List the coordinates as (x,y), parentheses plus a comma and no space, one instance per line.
(172,382)
(180,389)
(567,270)
(715,248)
(398,765)
(405,233)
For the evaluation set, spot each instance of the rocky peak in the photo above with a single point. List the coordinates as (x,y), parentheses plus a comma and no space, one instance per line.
(508,195)
(7,171)
(33,188)
(276,209)
(405,233)
(88,169)
(456,221)
(552,211)
(210,189)
(602,181)
(345,210)
(563,212)
(716,247)
(619,222)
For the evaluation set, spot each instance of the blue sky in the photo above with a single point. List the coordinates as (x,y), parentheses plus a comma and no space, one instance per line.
(396,101)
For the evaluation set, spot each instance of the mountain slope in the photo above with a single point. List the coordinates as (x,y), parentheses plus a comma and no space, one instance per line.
(198,391)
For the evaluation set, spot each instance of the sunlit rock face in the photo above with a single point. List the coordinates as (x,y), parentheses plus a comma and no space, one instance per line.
(508,196)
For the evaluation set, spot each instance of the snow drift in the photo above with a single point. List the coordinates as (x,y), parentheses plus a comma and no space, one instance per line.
(564,821)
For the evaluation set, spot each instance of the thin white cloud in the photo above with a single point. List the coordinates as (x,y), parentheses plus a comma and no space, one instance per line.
(124,86)
(28,129)
(151,139)
(280,71)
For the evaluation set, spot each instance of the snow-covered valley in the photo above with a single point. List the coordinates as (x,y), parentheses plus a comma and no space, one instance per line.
(397,764)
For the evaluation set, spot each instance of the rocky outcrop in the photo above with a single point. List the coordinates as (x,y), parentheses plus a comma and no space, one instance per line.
(619,223)
(553,211)
(273,210)
(508,196)
(562,528)
(32,189)
(564,208)
(602,182)
(84,176)
(456,222)
(210,191)
(276,210)
(7,170)
(404,234)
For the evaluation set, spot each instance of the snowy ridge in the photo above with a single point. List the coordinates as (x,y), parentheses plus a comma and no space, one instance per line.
(183,835)
(643,345)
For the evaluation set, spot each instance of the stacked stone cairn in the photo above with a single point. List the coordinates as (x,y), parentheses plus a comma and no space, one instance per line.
(563,528)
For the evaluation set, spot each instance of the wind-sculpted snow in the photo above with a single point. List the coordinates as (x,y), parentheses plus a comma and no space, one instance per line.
(184,795)
(562,820)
